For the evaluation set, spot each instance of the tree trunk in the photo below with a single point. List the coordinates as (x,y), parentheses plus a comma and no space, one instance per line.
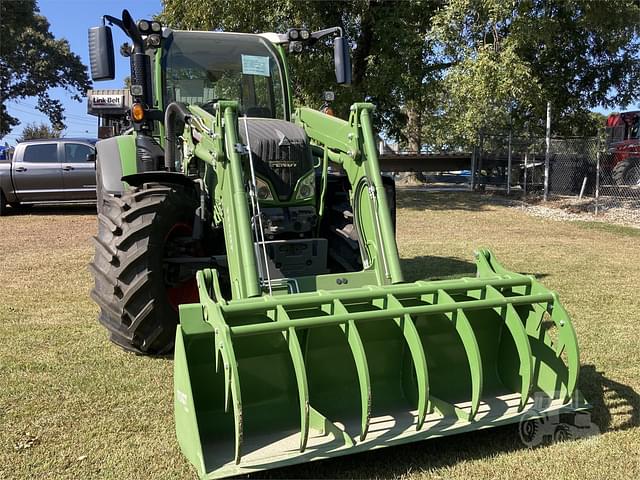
(413,130)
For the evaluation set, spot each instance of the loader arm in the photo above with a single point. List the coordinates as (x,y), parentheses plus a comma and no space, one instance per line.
(351,145)
(214,141)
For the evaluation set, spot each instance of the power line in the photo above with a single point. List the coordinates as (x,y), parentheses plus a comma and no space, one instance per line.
(72,115)
(42,115)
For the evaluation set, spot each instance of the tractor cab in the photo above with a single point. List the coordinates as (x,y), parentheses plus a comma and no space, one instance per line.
(623,127)
(202,68)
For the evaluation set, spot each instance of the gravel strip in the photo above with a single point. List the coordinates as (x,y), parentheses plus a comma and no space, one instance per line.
(627,213)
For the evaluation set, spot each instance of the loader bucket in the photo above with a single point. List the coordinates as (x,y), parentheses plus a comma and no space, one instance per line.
(277,380)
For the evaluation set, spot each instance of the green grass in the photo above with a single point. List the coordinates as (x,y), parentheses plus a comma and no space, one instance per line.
(608,227)
(74,406)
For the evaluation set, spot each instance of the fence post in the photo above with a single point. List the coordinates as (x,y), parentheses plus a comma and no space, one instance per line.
(509,163)
(597,178)
(472,180)
(526,167)
(547,153)
(480,154)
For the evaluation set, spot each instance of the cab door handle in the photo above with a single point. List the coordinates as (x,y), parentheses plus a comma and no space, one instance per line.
(20,169)
(67,168)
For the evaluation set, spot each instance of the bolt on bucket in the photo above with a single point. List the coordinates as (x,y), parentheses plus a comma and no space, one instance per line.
(271,381)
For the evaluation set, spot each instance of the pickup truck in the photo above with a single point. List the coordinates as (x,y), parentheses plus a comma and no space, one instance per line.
(43,171)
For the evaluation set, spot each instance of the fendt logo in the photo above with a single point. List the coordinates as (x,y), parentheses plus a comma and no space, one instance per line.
(107,101)
(540,426)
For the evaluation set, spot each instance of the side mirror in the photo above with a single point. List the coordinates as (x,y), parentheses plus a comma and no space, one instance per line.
(101,53)
(342,60)
(91,157)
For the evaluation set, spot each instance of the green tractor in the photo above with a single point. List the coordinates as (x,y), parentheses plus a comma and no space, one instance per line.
(256,241)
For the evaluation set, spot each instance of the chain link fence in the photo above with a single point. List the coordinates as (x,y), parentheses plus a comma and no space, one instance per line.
(581,170)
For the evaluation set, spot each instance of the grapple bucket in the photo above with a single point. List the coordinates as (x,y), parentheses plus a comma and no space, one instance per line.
(276,380)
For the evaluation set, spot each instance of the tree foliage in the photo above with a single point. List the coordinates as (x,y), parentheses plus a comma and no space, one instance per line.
(32,61)
(439,72)
(510,58)
(34,131)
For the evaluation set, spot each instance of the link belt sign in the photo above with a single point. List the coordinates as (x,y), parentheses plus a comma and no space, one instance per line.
(103,101)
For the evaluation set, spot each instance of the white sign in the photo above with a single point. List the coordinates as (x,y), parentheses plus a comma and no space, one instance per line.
(255,65)
(107,101)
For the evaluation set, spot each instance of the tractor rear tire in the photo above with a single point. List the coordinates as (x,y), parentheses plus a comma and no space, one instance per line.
(128,265)
(627,172)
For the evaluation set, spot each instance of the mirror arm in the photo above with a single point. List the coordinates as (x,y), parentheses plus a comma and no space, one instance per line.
(327,31)
(132,33)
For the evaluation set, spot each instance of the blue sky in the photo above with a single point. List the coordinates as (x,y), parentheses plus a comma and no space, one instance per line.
(71,19)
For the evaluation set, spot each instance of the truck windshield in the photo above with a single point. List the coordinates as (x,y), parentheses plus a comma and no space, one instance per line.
(204,67)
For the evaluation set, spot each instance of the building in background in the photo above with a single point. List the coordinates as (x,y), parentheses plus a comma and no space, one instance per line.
(112,108)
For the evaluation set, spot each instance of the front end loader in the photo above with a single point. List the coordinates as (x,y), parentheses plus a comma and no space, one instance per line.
(257,241)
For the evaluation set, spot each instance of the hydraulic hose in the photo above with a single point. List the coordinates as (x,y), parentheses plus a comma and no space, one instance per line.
(175,112)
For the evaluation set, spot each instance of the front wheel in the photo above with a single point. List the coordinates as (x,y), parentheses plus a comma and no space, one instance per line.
(627,172)
(139,234)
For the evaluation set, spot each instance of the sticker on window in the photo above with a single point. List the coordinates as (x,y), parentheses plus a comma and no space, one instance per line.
(255,65)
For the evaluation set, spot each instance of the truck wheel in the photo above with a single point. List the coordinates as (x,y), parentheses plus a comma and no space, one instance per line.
(137,232)
(627,172)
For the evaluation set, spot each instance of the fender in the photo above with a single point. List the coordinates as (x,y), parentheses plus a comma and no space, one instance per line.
(123,156)
(115,158)
(166,178)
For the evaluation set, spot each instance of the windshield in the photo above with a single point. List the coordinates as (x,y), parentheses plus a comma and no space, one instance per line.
(204,67)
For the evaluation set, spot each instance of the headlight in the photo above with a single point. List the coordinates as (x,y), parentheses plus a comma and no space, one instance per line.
(143,26)
(306,187)
(263,192)
(304,34)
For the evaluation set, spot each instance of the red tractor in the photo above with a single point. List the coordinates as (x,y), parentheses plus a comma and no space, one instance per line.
(623,142)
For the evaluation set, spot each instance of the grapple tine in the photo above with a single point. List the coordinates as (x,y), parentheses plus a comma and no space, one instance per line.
(418,357)
(568,342)
(465,331)
(362,368)
(301,376)
(235,393)
(515,326)
(226,372)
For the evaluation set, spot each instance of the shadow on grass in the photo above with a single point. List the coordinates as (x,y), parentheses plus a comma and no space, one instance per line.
(615,406)
(59,209)
(398,461)
(428,267)
(429,200)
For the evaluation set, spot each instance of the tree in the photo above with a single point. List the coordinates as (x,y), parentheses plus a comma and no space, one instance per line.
(34,131)
(510,58)
(32,61)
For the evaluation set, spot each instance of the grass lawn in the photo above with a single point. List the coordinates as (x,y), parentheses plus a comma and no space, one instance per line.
(72,405)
